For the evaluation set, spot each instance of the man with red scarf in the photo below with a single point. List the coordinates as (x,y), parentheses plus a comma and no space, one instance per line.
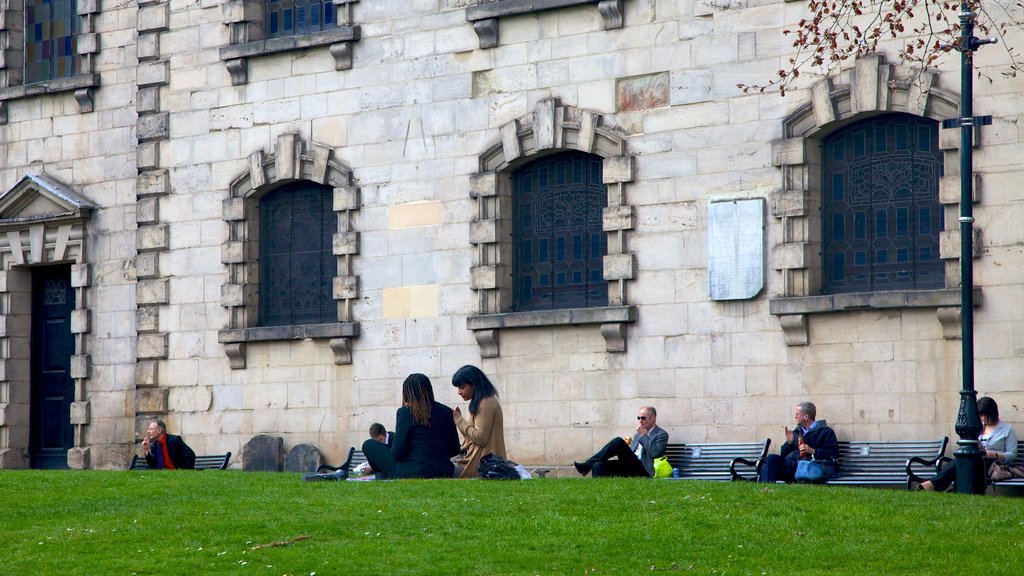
(166,451)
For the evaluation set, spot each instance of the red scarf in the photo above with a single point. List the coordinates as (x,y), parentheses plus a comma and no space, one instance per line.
(168,463)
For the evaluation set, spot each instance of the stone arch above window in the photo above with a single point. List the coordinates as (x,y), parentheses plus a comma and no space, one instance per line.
(551,129)
(870,88)
(289,163)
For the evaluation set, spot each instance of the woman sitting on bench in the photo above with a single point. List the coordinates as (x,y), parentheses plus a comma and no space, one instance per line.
(998,444)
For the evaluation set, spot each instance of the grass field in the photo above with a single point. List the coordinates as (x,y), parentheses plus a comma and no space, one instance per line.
(111,523)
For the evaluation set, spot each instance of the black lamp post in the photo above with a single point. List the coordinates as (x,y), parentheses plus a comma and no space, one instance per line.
(970,473)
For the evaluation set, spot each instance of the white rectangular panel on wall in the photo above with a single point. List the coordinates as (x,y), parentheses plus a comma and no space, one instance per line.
(735,249)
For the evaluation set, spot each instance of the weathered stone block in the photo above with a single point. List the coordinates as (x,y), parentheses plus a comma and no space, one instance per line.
(233,209)
(346,287)
(483,231)
(151,346)
(147,265)
(483,184)
(619,266)
(153,74)
(150,400)
(154,17)
(788,151)
(147,373)
(617,169)
(147,155)
(79,366)
(232,253)
(617,218)
(80,412)
(147,211)
(80,321)
(643,92)
(152,238)
(147,318)
(79,275)
(231,295)
(483,277)
(153,127)
(346,243)
(346,198)
(148,47)
(152,183)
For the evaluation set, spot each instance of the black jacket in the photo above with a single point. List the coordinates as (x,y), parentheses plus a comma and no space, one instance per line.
(425,451)
(182,456)
(823,440)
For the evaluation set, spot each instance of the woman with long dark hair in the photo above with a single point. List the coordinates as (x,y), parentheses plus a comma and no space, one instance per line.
(483,432)
(998,444)
(425,437)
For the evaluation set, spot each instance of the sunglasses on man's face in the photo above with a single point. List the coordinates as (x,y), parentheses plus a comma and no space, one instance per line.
(641,417)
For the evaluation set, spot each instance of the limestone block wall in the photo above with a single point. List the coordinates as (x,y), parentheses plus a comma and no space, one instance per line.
(412,119)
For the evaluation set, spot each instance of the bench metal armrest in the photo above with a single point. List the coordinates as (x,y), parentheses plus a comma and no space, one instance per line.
(756,464)
(935,463)
(344,465)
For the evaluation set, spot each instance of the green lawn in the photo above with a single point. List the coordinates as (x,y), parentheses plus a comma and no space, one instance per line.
(110,523)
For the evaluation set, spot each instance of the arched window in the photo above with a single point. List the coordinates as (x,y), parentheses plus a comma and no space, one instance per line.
(559,244)
(297,265)
(880,206)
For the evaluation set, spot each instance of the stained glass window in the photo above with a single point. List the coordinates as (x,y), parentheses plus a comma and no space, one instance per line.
(297,265)
(50,43)
(291,17)
(881,208)
(557,208)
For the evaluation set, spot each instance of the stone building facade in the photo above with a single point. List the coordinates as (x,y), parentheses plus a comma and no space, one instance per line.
(144,170)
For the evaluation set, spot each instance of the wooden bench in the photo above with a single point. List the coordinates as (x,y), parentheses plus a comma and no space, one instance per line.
(717,461)
(890,464)
(208,462)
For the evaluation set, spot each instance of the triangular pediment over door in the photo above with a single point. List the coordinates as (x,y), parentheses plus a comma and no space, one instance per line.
(41,221)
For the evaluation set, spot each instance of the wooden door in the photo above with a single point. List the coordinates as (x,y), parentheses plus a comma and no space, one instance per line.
(53,390)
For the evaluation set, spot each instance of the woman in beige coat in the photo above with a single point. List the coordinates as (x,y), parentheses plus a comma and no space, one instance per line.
(483,432)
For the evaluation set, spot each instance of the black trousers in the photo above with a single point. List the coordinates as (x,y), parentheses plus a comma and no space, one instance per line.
(616,459)
(775,467)
(378,455)
(947,476)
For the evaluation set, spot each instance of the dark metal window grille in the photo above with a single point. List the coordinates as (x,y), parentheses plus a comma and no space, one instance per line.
(51,27)
(297,265)
(291,17)
(881,208)
(557,208)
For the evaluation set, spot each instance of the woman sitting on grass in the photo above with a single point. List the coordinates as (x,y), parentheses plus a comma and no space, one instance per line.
(483,432)
(425,437)
(998,444)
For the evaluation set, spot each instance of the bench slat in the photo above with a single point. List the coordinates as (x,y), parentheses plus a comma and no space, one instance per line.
(715,460)
(204,462)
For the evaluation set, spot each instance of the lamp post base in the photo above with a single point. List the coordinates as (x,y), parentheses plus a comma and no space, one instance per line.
(970,468)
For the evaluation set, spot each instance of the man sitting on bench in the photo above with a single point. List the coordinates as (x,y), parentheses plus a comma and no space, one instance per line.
(811,439)
(166,451)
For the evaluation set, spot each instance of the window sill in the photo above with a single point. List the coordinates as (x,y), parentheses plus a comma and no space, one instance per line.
(612,320)
(792,312)
(338,39)
(82,85)
(485,16)
(339,333)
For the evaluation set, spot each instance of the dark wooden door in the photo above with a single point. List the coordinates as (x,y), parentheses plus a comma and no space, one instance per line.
(53,299)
